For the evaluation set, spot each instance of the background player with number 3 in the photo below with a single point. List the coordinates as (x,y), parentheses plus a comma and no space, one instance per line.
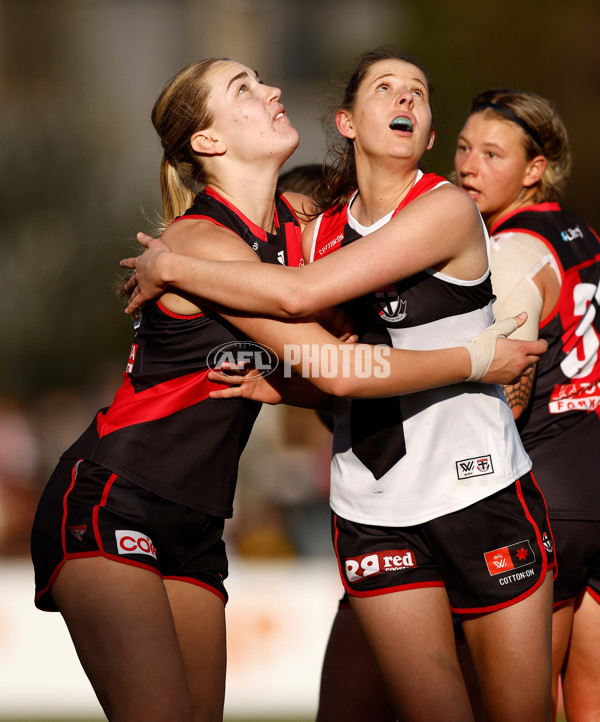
(513,159)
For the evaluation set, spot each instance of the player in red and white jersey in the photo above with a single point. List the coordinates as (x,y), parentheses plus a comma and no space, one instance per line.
(513,159)
(465,528)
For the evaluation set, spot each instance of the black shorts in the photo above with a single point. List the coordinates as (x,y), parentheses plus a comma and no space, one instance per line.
(577,557)
(488,556)
(87,511)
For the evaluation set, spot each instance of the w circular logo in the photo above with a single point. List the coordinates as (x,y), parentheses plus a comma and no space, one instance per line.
(243,356)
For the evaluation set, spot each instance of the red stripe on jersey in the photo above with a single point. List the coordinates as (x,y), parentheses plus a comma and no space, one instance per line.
(426,183)
(199,217)
(293,238)
(330,232)
(131,407)
(540,207)
(172,314)
(292,232)
(293,245)
(256,230)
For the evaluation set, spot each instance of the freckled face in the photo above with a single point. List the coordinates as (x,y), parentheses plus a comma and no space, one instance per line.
(491,165)
(249,117)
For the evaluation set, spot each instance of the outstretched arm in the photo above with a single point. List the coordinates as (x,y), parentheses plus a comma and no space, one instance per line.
(343,369)
(365,371)
(430,231)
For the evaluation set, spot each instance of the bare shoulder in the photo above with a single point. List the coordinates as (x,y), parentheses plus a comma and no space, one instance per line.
(446,209)
(203,239)
(301,204)
(451,198)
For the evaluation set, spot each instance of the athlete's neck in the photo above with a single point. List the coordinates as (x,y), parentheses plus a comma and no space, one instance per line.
(525,199)
(251,193)
(257,205)
(379,193)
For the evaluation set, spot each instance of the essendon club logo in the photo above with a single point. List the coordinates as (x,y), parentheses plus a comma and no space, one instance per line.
(509,557)
(393,560)
(389,305)
(477,466)
(78,530)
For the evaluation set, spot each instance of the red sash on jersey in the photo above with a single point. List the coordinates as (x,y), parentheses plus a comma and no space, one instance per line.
(330,233)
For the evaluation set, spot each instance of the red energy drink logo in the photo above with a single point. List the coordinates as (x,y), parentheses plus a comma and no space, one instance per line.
(394,560)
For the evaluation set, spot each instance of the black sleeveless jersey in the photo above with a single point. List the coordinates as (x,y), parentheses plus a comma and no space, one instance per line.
(560,428)
(162,431)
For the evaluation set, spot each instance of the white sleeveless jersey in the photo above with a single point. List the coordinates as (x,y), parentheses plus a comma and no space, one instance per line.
(409,459)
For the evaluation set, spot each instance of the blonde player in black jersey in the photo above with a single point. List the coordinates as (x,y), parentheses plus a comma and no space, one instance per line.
(513,159)
(127,541)
(413,525)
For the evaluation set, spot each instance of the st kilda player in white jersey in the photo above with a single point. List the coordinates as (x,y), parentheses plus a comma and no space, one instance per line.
(402,462)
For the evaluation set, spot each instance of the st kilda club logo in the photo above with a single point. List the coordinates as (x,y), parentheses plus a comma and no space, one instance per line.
(389,305)
(242,356)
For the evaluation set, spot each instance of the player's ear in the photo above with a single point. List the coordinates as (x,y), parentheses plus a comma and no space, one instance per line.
(343,122)
(534,171)
(431,140)
(207,142)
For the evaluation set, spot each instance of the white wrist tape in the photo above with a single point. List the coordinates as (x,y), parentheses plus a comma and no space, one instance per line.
(483,347)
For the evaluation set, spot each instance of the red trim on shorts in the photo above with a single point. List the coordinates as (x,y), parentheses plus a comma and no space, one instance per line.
(374,592)
(503,605)
(198,583)
(545,568)
(131,562)
(554,564)
(538,534)
(593,593)
(561,603)
(335,547)
(107,487)
(63,536)
(63,525)
(398,588)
